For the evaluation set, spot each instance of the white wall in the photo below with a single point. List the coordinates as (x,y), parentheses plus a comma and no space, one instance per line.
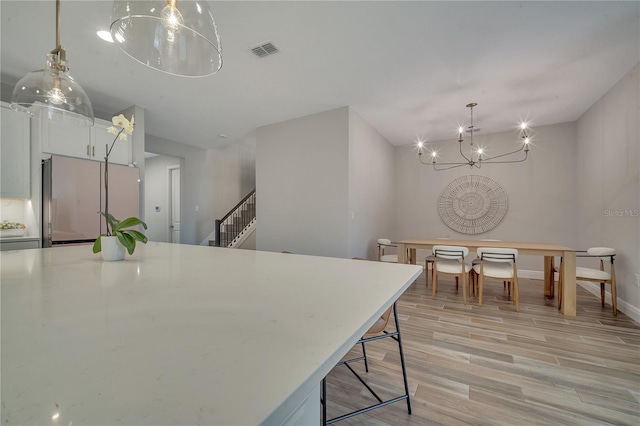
(157,195)
(540,191)
(205,178)
(302,191)
(371,188)
(608,182)
(234,174)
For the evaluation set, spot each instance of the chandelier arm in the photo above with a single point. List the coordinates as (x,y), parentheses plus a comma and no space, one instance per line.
(484,160)
(526,154)
(444,164)
(450,167)
(464,156)
(422,162)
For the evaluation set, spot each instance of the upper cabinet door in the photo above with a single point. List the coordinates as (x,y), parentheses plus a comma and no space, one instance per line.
(14,155)
(64,139)
(102,139)
(83,142)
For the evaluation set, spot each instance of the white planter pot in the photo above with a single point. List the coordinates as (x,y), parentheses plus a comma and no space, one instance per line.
(111,248)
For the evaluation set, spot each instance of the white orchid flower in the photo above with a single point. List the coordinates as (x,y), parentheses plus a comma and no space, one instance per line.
(120,121)
(122,136)
(113,131)
(129,129)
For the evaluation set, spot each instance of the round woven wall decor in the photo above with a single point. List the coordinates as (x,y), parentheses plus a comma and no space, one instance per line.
(472,204)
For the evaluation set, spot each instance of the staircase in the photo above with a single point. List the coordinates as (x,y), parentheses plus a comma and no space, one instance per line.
(231,229)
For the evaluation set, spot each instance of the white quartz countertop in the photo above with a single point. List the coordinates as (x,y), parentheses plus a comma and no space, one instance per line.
(178,334)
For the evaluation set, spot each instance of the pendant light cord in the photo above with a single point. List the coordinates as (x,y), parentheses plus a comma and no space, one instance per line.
(61,63)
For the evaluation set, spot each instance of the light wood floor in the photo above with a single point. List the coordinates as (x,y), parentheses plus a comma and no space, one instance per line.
(494,366)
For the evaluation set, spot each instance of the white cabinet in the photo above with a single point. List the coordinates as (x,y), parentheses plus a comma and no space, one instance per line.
(83,142)
(14,154)
(19,243)
(120,154)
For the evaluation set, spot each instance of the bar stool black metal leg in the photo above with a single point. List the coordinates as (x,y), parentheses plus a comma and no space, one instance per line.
(324,401)
(404,368)
(364,355)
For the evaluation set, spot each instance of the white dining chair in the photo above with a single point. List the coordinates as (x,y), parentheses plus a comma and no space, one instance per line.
(428,264)
(595,275)
(500,264)
(449,260)
(473,276)
(384,243)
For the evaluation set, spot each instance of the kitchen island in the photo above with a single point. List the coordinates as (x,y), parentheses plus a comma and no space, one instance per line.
(179,334)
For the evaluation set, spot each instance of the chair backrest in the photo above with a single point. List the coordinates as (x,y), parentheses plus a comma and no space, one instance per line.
(450,252)
(601,251)
(381,324)
(490,254)
(384,242)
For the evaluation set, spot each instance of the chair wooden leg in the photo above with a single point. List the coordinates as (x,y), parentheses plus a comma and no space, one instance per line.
(516,294)
(475,284)
(433,272)
(434,284)
(602,293)
(614,292)
(480,283)
(426,274)
(456,283)
(464,288)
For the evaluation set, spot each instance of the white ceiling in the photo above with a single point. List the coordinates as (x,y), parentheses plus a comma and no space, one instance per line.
(408,68)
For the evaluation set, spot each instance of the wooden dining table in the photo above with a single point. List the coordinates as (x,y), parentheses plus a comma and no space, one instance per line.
(548,250)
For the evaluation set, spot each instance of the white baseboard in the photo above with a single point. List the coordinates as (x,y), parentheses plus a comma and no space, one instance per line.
(593,288)
(624,307)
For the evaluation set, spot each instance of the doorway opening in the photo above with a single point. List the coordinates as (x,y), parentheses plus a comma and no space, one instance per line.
(162,198)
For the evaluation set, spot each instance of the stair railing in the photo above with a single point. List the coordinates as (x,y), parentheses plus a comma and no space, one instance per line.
(234,222)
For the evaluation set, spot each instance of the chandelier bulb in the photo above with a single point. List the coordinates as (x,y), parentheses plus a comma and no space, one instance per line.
(171,17)
(56,96)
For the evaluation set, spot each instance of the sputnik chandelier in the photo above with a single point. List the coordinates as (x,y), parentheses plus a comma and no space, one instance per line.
(476,156)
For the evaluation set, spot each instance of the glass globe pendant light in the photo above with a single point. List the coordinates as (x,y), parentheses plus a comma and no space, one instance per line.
(176,37)
(51,92)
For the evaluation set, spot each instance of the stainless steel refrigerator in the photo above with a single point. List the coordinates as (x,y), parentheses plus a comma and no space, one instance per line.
(73,197)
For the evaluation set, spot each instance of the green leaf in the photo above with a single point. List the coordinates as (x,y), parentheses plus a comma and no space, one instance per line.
(97,246)
(127,241)
(128,223)
(136,235)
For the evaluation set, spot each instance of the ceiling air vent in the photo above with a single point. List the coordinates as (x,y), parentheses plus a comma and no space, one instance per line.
(264,49)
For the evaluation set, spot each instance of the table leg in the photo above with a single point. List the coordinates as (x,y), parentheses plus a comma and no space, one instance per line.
(402,251)
(412,256)
(549,278)
(569,283)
